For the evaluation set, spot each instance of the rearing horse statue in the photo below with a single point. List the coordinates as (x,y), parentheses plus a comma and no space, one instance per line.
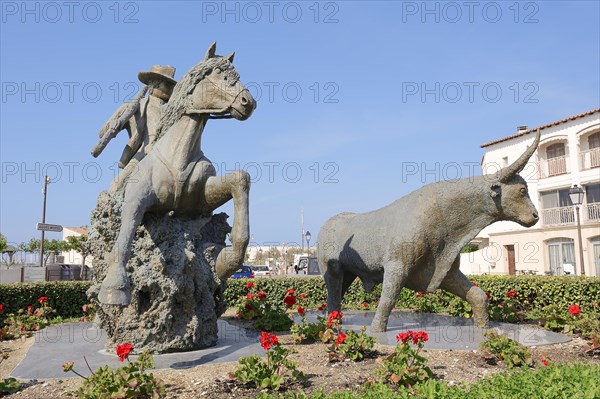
(176,176)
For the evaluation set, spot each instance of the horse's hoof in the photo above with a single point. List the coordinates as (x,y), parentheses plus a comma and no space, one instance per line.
(113,296)
(114,290)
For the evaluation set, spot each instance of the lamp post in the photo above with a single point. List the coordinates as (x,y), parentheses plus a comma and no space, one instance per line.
(308,236)
(576,195)
(44,191)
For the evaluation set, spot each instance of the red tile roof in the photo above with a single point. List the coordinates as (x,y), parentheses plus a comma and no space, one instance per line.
(79,230)
(570,118)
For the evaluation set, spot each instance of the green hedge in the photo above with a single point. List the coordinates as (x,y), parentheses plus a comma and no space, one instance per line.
(67,297)
(534,292)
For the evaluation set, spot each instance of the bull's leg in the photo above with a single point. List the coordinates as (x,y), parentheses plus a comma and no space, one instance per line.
(394,276)
(334,281)
(458,284)
(219,190)
(115,286)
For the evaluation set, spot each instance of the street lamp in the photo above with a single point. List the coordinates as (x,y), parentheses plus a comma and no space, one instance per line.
(576,195)
(46,182)
(308,236)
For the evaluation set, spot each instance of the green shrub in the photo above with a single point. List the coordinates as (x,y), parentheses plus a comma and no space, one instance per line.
(128,381)
(66,297)
(270,373)
(405,367)
(552,382)
(506,349)
(352,345)
(534,292)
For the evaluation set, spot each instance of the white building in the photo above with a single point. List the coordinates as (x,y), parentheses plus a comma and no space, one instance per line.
(568,154)
(73,257)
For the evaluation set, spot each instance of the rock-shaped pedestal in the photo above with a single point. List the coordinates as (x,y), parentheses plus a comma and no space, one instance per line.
(176,297)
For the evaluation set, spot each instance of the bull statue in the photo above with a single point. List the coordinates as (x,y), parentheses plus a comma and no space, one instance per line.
(415,241)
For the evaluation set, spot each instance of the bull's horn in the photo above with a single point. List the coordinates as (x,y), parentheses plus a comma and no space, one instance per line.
(211,51)
(507,173)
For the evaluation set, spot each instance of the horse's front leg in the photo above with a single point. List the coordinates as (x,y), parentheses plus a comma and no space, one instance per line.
(115,289)
(219,190)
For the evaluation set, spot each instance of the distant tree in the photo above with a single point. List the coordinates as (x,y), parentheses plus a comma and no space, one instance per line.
(54,247)
(3,243)
(33,246)
(22,247)
(82,245)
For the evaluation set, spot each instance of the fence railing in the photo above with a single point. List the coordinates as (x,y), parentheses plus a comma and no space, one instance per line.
(591,212)
(590,158)
(558,216)
(553,167)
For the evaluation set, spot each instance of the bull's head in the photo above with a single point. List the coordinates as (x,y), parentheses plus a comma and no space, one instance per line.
(509,190)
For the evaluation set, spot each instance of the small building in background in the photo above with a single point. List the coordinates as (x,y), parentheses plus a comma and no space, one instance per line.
(73,257)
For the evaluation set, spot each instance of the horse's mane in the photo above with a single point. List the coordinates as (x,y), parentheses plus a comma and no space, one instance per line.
(179,101)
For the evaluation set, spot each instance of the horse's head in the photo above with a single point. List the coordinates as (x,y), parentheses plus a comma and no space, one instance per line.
(211,88)
(219,93)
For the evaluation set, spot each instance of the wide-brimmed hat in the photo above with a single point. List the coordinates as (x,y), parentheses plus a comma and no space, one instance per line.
(164,73)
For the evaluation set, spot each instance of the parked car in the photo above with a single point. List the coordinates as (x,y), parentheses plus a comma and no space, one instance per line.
(244,272)
(261,270)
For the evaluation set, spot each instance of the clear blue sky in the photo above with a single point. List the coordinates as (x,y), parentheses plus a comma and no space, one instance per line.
(384,86)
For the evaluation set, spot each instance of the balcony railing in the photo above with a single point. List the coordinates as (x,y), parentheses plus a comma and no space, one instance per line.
(590,159)
(591,212)
(558,216)
(553,167)
(565,215)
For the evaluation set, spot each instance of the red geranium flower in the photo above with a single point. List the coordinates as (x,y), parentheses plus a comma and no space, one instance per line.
(123,351)
(261,295)
(291,291)
(303,296)
(289,300)
(574,310)
(544,361)
(43,299)
(365,304)
(301,310)
(421,294)
(250,296)
(1,308)
(488,295)
(340,339)
(417,337)
(322,307)
(475,284)
(268,340)
(404,337)
(335,315)
(511,294)
(420,336)
(248,307)
(249,284)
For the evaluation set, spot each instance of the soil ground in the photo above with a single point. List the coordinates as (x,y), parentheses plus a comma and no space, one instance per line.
(214,382)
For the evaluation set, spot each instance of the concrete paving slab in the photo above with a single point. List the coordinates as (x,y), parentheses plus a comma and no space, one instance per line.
(447,332)
(59,344)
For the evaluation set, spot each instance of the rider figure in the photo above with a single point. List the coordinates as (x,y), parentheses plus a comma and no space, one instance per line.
(140,118)
(142,126)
